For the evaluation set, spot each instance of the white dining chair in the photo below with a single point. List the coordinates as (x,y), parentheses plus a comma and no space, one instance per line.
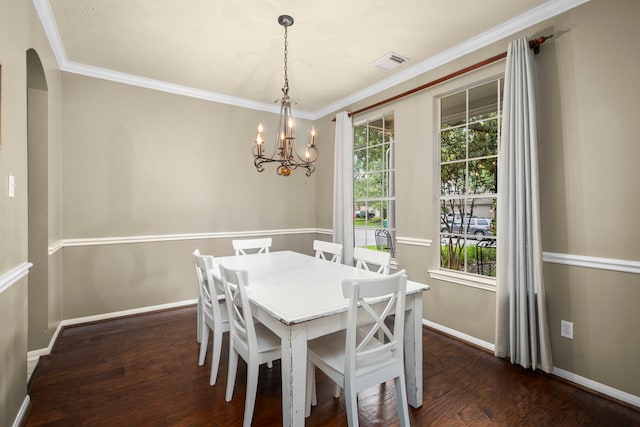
(369,259)
(260,246)
(328,251)
(215,318)
(354,358)
(251,340)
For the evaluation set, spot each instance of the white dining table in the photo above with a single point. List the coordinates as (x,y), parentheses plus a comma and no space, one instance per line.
(299,298)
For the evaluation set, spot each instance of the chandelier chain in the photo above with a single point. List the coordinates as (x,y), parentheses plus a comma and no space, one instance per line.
(285,89)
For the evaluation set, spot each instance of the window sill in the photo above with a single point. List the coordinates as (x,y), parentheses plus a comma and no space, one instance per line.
(486,283)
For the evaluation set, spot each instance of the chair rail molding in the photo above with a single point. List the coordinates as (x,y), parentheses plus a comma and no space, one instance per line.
(9,278)
(98,241)
(611,264)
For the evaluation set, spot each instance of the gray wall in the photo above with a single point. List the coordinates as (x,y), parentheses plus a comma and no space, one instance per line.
(587,111)
(138,162)
(22,31)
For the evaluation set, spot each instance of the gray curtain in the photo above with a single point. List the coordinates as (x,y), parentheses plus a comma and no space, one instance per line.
(343,186)
(522,332)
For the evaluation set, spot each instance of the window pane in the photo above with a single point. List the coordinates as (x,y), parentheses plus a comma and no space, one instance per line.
(483,176)
(453,145)
(389,128)
(483,101)
(360,161)
(452,253)
(376,158)
(375,132)
(377,187)
(483,138)
(453,110)
(359,137)
(359,186)
(452,178)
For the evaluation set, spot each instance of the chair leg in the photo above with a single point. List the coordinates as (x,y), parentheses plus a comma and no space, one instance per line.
(199,320)
(252,388)
(401,401)
(231,372)
(204,342)
(351,400)
(215,355)
(336,391)
(270,364)
(310,396)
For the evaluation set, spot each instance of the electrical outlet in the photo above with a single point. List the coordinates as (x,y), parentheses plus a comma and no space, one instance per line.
(566,329)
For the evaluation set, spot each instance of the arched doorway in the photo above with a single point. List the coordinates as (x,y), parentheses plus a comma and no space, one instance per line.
(38,199)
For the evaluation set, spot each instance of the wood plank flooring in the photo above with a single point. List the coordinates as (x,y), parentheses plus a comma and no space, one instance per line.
(142,371)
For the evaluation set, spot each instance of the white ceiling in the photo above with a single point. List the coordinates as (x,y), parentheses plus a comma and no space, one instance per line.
(232,50)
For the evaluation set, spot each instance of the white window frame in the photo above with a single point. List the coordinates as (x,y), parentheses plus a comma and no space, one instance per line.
(389,197)
(460,277)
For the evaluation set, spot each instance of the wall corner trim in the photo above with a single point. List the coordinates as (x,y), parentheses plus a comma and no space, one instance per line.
(9,278)
(18,421)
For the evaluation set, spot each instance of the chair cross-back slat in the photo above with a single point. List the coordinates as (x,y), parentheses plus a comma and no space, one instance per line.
(260,246)
(355,359)
(328,251)
(367,257)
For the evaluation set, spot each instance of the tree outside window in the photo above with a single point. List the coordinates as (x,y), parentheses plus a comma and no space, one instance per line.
(469,132)
(373,184)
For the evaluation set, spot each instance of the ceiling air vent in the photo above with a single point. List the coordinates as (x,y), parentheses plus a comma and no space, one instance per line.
(389,61)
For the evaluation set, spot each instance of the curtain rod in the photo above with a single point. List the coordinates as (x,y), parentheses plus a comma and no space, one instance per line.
(533,44)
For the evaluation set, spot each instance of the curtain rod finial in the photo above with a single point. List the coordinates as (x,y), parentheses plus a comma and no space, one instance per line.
(535,43)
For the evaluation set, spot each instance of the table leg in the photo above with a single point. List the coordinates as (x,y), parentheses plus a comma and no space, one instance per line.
(413,349)
(294,375)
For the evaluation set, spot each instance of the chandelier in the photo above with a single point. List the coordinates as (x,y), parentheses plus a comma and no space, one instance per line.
(285,151)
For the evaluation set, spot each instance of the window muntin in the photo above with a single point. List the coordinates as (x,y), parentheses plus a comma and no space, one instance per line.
(468,134)
(374,184)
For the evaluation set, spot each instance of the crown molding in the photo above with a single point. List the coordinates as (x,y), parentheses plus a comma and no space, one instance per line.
(510,27)
(507,28)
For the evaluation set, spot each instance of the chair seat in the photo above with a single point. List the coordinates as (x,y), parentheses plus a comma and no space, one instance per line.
(267,340)
(329,350)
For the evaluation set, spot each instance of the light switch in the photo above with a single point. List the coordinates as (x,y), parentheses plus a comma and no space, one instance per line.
(12,186)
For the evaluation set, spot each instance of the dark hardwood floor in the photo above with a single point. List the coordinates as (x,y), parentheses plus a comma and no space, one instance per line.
(142,371)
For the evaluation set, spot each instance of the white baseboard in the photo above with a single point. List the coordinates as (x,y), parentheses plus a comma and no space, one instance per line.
(464,337)
(569,376)
(34,355)
(17,422)
(598,387)
(140,310)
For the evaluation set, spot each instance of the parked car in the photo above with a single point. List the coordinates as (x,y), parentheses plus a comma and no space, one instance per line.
(361,214)
(479,227)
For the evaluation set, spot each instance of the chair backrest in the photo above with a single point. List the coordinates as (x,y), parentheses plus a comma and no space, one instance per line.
(362,328)
(209,286)
(241,325)
(366,258)
(259,245)
(324,249)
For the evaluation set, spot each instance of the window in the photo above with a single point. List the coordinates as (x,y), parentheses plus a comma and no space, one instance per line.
(469,131)
(373,184)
